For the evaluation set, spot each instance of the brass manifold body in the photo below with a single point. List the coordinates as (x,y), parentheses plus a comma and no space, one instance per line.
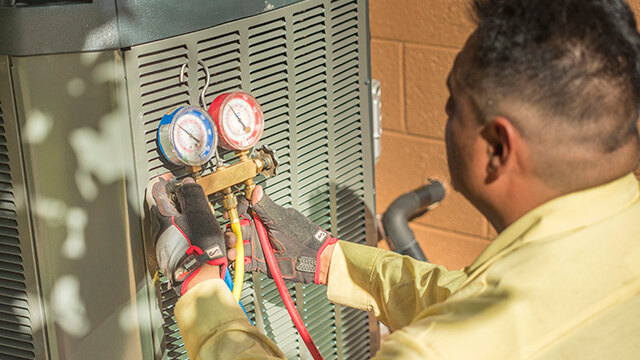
(242,172)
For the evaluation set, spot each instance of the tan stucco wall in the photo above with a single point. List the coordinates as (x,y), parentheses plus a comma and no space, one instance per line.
(413,44)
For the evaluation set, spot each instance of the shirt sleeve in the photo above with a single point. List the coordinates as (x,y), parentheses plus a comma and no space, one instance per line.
(395,288)
(213,326)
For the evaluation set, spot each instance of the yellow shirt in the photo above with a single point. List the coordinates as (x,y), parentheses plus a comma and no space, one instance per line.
(562,282)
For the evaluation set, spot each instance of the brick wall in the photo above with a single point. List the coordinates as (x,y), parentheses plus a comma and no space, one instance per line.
(413,44)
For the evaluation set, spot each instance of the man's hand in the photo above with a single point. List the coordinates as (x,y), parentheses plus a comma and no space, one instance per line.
(302,249)
(185,239)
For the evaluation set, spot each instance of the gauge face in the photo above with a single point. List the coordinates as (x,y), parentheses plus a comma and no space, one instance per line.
(239,118)
(187,136)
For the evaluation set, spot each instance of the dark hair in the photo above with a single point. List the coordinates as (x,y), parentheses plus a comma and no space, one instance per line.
(576,60)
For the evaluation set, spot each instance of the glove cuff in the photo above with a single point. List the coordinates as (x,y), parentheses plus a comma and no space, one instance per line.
(185,283)
(191,263)
(188,264)
(329,241)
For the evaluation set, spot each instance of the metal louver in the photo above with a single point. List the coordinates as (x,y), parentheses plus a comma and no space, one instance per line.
(349,170)
(307,64)
(159,92)
(268,64)
(16,341)
(312,149)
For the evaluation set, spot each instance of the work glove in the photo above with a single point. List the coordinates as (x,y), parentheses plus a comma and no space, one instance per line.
(297,242)
(254,256)
(187,238)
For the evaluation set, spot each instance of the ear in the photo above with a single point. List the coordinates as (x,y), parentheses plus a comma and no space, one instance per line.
(501,138)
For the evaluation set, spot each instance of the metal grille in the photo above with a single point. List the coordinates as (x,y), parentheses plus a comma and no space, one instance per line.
(277,324)
(312,132)
(16,341)
(304,65)
(268,82)
(160,92)
(221,54)
(349,149)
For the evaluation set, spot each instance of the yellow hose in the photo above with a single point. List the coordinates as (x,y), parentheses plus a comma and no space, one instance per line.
(239,275)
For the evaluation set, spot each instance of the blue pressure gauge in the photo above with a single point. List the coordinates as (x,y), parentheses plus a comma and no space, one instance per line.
(187,136)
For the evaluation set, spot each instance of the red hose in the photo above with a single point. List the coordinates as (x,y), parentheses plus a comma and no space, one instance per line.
(282,289)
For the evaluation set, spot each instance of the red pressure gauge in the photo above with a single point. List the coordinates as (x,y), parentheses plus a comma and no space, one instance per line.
(239,119)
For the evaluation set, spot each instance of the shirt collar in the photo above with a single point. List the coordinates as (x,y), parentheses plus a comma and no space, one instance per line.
(562,214)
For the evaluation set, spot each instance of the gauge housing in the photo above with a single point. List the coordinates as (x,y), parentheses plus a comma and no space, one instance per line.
(239,119)
(196,126)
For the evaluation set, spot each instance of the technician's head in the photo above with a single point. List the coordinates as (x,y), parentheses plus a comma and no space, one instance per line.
(545,95)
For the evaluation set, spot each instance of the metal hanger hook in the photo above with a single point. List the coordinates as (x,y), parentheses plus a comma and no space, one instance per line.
(206,84)
(184,66)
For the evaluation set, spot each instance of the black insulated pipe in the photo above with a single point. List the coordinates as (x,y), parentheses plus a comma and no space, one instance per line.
(396,219)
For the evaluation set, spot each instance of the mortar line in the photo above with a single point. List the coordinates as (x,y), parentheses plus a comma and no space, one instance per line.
(432,46)
(430,139)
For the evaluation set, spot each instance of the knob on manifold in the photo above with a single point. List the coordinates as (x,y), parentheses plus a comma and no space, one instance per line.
(269,161)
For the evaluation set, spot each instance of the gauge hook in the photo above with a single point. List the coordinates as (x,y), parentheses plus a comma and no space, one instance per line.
(184,66)
(206,84)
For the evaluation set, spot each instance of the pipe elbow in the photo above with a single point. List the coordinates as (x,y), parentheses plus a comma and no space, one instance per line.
(396,219)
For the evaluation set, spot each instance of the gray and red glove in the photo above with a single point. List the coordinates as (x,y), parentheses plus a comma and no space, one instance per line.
(253,254)
(297,242)
(184,239)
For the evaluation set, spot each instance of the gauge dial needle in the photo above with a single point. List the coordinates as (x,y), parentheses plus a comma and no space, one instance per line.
(246,128)
(190,135)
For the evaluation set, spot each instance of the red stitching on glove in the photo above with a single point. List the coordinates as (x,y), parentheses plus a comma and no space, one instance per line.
(173,221)
(276,244)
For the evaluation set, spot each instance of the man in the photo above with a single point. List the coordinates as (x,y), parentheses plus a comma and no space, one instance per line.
(542,138)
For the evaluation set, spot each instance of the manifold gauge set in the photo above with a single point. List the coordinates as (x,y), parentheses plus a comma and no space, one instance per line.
(189,135)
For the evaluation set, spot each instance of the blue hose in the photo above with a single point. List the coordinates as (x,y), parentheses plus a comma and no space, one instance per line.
(229,282)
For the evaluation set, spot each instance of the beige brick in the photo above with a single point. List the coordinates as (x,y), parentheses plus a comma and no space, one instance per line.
(382,244)
(426,71)
(454,251)
(386,66)
(635,6)
(436,22)
(406,163)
